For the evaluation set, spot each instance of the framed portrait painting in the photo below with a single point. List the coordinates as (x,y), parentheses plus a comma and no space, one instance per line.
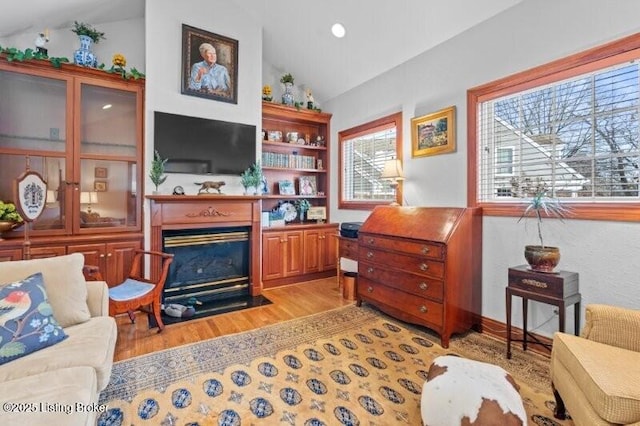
(434,133)
(209,65)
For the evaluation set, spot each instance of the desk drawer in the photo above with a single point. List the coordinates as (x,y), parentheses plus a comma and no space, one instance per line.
(402,262)
(419,307)
(425,249)
(348,249)
(411,283)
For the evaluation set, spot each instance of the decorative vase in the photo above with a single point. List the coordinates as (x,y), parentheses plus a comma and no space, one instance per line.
(287,96)
(84,56)
(542,259)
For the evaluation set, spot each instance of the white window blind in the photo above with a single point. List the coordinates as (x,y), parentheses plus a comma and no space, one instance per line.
(580,136)
(363,158)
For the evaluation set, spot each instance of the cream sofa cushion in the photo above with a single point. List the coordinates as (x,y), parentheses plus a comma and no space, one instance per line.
(59,391)
(608,376)
(63,280)
(91,343)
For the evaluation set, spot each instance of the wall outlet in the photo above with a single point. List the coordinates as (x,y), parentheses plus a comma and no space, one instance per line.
(54,133)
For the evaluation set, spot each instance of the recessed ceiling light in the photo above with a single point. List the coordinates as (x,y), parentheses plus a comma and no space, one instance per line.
(338,30)
(107,106)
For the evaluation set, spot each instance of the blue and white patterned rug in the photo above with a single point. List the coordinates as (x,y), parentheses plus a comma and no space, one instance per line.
(347,366)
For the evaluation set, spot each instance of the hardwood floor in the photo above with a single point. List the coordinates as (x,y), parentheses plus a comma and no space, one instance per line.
(289,302)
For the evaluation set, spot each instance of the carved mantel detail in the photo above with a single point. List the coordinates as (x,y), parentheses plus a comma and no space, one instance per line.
(209,212)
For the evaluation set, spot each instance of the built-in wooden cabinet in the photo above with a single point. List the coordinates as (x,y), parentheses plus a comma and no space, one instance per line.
(295,146)
(113,259)
(320,249)
(82,130)
(281,255)
(299,253)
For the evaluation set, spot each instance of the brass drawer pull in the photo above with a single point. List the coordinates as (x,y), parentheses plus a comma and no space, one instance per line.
(425,250)
(423,266)
(423,286)
(370,289)
(371,240)
(369,255)
(423,309)
(370,270)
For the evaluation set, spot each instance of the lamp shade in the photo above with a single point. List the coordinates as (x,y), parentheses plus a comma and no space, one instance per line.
(392,170)
(51,196)
(88,197)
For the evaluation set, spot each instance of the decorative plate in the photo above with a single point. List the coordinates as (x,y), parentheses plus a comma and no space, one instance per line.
(289,210)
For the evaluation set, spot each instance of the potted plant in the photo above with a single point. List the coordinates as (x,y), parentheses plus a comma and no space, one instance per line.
(287,96)
(251,179)
(82,29)
(541,258)
(157,170)
(303,206)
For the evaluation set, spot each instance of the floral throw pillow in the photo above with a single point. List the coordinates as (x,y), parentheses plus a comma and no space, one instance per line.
(26,319)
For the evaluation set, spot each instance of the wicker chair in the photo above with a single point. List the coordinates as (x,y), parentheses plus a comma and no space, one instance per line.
(597,376)
(138,293)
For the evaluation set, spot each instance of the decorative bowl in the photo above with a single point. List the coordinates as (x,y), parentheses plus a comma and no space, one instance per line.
(6,225)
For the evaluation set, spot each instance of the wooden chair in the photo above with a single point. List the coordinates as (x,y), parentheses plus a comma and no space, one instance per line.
(138,293)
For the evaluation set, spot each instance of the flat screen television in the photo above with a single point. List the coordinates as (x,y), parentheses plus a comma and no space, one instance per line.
(203,146)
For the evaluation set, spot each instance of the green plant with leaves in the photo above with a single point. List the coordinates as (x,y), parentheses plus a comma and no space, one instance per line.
(81,28)
(9,213)
(157,169)
(252,176)
(541,204)
(13,54)
(303,205)
(287,78)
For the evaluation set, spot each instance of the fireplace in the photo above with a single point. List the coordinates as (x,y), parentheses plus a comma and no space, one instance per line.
(209,264)
(216,243)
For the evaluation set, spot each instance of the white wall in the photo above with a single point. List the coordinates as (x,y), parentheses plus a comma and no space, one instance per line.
(531,33)
(124,37)
(164,19)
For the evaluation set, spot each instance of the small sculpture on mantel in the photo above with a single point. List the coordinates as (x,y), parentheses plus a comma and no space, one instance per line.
(207,185)
(310,99)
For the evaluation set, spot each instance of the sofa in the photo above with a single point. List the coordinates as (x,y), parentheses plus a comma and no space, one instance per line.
(596,376)
(58,384)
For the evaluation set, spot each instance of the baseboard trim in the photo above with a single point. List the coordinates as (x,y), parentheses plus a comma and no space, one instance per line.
(498,329)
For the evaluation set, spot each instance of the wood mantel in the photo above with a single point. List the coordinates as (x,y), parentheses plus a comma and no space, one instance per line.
(208,211)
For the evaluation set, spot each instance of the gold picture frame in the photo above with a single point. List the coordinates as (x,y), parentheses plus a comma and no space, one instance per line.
(100,186)
(433,134)
(101,172)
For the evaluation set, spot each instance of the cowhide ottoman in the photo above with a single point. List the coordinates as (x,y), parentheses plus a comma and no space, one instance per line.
(461,391)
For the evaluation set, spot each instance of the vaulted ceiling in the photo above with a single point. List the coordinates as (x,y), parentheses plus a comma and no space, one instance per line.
(381,34)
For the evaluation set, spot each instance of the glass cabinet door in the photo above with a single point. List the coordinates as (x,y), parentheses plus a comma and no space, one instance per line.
(33,115)
(108,173)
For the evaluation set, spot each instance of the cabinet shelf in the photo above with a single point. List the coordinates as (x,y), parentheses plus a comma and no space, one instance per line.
(293,146)
(295,170)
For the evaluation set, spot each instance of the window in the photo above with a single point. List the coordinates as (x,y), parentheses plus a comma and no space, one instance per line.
(363,152)
(574,124)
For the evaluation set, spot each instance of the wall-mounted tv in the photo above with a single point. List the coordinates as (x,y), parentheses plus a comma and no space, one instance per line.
(203,146)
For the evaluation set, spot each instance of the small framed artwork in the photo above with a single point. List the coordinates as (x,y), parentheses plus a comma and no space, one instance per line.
(274,136)
(209,65)
(433,134)
(101,172)
(100,186)
(285,187)
(308,185)
(317,213)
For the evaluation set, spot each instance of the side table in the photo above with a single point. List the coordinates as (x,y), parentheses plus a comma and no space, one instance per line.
(559,289)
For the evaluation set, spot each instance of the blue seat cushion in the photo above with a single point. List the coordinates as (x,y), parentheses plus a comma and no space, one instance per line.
(129,289)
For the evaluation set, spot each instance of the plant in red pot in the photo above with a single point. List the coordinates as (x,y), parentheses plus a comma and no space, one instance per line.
(541,258)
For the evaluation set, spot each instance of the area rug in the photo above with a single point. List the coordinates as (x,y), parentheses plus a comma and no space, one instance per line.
(351,365)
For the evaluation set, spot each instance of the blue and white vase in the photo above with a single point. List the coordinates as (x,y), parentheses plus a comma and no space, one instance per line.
(287,96)
(84,56)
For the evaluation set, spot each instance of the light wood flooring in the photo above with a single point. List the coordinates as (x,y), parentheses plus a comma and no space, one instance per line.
(289,302)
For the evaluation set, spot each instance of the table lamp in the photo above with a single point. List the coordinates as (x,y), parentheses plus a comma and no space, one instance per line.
(393,171)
